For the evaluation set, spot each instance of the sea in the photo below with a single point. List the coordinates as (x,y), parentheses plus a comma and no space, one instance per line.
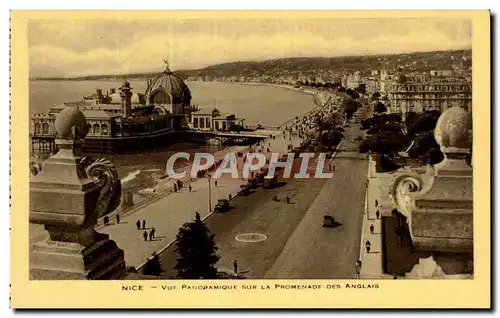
(258,104)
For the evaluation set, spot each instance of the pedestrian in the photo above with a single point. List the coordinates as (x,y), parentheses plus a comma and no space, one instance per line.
(153,230)
(287,199)
(377,214)
(376,203)
(143,224)
(235,265)
(106,220)
(368,246)
(138,224)
(118,219)
(372,228)
(230,197)
(190,188)
(145,235)
(151,234)
(215,182)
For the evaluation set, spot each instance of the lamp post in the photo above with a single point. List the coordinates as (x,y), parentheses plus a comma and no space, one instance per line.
(209,194)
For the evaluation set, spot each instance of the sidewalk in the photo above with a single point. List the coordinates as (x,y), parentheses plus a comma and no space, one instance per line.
(377,198)
(168,211)
(167,214)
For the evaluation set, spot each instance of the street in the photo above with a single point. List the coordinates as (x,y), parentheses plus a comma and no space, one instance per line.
(296,245)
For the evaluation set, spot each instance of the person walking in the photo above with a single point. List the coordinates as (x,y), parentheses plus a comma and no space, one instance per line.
(153,231)
(118,219)
(143,224)
(138,224)
(372,228)
(215,182)
(151,235)
(106,220)
(377,214)
(145,235)
(287,199)
(368,246)
(235,265)
(190,188)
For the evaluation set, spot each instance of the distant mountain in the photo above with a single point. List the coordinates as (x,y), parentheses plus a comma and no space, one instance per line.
(310,66)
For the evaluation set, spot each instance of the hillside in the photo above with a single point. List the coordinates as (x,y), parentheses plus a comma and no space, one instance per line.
(309,66)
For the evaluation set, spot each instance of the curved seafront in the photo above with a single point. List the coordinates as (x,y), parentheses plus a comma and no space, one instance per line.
(266,104)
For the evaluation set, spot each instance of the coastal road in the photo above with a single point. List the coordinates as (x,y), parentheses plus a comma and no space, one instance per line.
(314,252)
(256,213)
(296,245)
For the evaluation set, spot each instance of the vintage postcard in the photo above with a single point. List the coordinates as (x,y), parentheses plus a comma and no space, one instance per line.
(250,159)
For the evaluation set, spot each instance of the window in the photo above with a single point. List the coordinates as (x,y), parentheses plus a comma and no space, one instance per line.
(208,124)
(96,130)
(38,128)
(224,125)
(202,122)
(195,122)
(45,129)
(104,129)
(217,125)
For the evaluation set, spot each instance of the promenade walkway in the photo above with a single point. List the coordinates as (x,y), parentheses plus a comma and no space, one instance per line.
(377,199)
(168,214)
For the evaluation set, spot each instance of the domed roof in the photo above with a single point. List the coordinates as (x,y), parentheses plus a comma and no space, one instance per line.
(171,84)
(117,99)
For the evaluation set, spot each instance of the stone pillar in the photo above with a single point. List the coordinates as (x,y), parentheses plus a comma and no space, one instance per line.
(438,205)
(67,195)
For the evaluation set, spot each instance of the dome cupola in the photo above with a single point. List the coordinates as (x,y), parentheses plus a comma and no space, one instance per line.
(167,88)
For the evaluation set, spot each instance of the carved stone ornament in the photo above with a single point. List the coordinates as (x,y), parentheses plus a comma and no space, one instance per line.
(438,204)
(67,195)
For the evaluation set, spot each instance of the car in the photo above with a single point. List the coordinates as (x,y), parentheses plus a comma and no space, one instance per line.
(271,182)
(222,206)
(329,221)
(245,190)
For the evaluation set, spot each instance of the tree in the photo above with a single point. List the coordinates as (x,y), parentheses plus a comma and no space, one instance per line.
(427,148)
(375,95)
(411,117)
(350,106)
(379,108)
(361,89)
(196,251)
(385,142)
(424,122)
(352,93)
(331,138)
(153,266)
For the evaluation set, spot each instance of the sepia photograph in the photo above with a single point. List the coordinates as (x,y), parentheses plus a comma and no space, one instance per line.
(289,152)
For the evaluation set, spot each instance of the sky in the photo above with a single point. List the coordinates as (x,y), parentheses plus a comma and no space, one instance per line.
(87,47)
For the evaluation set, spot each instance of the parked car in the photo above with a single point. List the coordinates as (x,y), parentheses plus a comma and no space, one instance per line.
(271,183)
(222,206)
(245,190)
